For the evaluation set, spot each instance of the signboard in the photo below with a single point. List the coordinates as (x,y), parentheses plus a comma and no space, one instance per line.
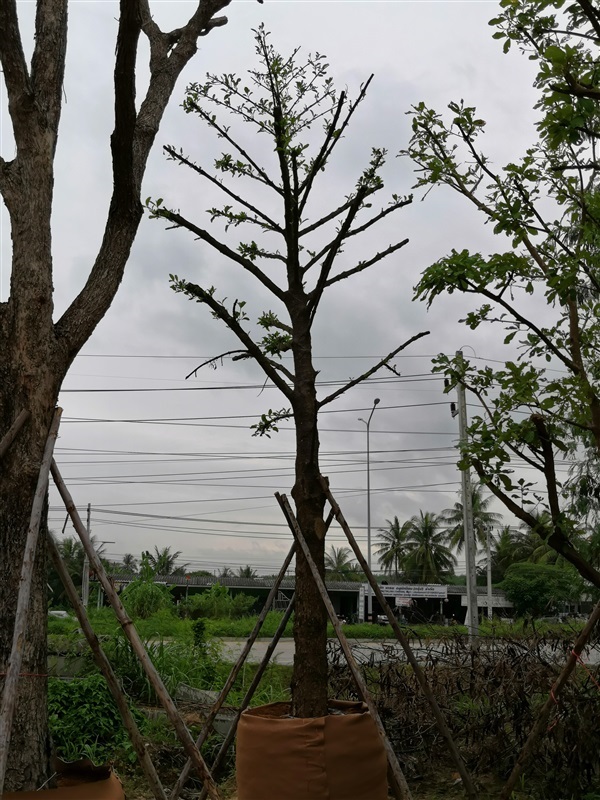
(414,590)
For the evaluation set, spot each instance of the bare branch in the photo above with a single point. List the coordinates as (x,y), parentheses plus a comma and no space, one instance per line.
(183,160)
(205,236)
(365,264)
(232,323)
(238,355)
(14,67)
(370,372)
(48,61)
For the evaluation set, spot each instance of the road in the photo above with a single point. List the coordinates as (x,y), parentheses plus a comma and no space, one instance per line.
(363,650)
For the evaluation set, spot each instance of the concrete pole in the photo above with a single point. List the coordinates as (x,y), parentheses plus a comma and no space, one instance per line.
(85,576)
(369,590)
(467,501)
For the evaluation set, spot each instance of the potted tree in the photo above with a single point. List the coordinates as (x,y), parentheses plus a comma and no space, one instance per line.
(286,99)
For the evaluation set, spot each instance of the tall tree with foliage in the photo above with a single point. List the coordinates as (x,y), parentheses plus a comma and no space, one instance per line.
(35,349)
(428,557)
(164,562)
(483,519)
(391,546)
(339,565)
(295,261)
(545,403)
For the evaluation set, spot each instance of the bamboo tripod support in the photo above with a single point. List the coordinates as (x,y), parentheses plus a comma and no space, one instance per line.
(13,669)
(131,633)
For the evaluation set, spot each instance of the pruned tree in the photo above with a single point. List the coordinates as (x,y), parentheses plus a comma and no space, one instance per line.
(296,262)
(543,404)
(35,349)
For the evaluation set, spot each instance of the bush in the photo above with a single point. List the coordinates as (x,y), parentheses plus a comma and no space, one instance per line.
(142,598)
(85,700)
(217,603)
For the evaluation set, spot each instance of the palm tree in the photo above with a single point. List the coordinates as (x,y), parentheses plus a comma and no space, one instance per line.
(339,566)
(506,551)
(483,519)
(247,572)
(226,572)
(73,556)
(163,561)
(532,545)
(391,546)
(129,562)
(427,556)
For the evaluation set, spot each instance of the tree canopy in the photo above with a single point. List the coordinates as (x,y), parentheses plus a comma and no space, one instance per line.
(544,403)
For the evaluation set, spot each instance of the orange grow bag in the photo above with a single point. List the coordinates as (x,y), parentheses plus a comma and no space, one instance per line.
(337,757)
(78,780)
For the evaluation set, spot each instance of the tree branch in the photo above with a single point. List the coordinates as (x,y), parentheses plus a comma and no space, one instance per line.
(48,61)
(272,225)
(79,320)
(557,540)
(364,264)
(370,372)
(14,67)
(253,349)
(205,236)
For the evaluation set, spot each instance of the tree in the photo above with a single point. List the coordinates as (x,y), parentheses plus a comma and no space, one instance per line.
(226,572)
(545,402)
(537,589)
(284,100)
(35,350)
(339,565)
(73,555)
(247,572)
(163,561)
(143,597)
(506,551)
(391,549)
(483,520)
(129,562)
(427,555)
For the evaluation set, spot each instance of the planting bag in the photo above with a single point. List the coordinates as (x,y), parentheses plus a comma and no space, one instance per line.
(78,780)
(337,757)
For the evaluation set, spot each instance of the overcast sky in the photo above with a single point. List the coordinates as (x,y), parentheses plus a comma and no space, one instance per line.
(165,461)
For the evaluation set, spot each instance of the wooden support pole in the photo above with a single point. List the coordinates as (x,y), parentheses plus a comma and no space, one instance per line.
(11,433)
(176,790)
(443,728)
(399,784)
(250,692)
(541,723)
(9,694)
(126,623)
(105,667)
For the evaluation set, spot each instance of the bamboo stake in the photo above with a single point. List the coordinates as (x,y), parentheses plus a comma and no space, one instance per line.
(176,790)
(9,694)
(399,784)
(105,667)
(11,433)
(542,721)
(250,692)
(129,629)
(468,784)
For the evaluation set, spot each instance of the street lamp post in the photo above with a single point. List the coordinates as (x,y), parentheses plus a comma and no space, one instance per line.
(369,590)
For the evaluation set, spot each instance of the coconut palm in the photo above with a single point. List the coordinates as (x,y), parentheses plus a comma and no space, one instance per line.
(391,546)
(506,551)
(73,556)
(427,555)
(129,562)
(483,519)
(532,540)
(163,561)
(226,572)
(247,572)
(339,565)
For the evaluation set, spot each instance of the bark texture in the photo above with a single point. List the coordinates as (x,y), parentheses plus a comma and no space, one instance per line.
(36,352)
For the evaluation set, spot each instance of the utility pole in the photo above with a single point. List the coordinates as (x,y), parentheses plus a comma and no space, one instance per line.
(472,620)
(85,576)
(369,589)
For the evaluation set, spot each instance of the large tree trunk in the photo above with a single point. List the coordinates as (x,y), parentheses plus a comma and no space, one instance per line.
(29,746)
(309,680)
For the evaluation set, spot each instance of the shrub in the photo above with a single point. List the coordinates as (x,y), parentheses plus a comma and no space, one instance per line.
(70,703)
(142,598)
(217,603)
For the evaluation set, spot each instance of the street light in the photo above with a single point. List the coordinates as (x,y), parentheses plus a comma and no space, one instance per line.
(369,590)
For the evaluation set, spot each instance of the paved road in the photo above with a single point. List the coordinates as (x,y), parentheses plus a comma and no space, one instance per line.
(363,650)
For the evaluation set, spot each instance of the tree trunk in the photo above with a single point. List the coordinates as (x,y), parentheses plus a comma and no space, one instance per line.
(29,745)
(309,680)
